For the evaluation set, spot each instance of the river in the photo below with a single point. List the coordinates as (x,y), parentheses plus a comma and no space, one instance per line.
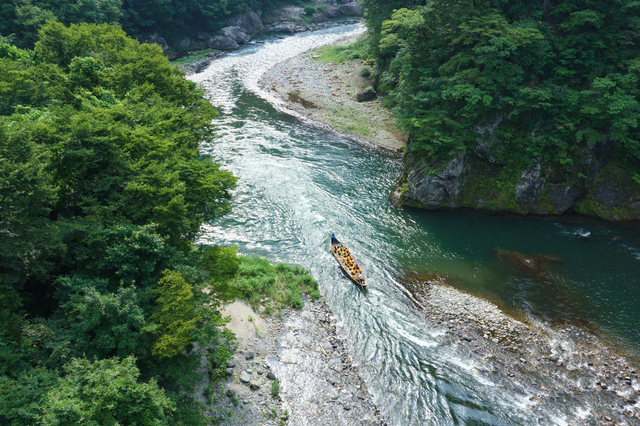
(298,183)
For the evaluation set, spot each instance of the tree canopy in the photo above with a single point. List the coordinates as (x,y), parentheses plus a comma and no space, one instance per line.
(102,192)
(514,79)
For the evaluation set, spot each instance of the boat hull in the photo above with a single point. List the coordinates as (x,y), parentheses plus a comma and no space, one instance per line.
(362,284)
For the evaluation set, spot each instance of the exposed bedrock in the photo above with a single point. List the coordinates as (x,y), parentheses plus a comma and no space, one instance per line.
(597,185)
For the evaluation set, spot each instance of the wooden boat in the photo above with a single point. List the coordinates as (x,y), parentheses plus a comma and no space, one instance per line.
(343,264)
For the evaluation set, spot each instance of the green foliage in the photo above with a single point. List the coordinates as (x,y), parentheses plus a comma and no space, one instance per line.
(309,10)
(275,389)
(338,54)
(106,392)
(24,18)
(509,79)
(102,324)
(222,263)
(176,315)
(23,396)
(102,188)
(10,319)
(282,283)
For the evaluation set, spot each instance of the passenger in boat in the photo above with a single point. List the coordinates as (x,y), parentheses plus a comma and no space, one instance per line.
(360,277)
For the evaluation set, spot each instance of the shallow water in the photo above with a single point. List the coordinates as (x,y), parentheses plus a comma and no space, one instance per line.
(297,183)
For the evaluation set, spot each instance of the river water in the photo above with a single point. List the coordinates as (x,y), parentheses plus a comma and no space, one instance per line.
(298,183)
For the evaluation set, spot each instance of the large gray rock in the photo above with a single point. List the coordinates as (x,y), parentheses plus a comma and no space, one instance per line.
(203,36)
(332,12)
(529,186)
(351,9)
(434,190)
(182,44)
(221,43)
(154,38)
(249,22)
(235,33)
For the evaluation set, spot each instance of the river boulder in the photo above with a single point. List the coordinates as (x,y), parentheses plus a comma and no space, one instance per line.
(351,9)
(367,95)
(235,33)
(182,43)
(332,12)
(249,22)
(287,28)
(221,43)
(435,190)
(320,17)
(155,38)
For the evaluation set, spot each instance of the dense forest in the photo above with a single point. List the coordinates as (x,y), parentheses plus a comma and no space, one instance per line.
(23,18)
(514,105)
(107,307)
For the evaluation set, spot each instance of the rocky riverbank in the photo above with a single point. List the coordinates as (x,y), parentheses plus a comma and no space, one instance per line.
(305,352)
(195,62)
(566,370)
(326,93)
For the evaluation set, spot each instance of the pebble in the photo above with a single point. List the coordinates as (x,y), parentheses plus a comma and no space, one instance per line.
(245,377)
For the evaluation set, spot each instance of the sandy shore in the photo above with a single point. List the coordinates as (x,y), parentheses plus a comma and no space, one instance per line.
(326,93)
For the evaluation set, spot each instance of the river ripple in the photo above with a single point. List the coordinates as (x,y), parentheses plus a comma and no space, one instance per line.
(297,183)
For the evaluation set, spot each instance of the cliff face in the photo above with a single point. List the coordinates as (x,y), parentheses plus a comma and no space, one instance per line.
(597,185)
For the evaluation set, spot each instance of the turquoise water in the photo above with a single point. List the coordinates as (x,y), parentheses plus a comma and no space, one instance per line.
(297,183)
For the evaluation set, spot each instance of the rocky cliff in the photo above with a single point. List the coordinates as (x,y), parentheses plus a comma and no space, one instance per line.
(596,185)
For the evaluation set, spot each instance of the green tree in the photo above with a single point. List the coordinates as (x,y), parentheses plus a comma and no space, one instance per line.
(176,315)
(106,392)
(103,324)
(23,396)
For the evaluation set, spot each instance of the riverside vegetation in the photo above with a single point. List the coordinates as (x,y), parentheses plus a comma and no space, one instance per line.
(106,305)
(173,19)
(518,106)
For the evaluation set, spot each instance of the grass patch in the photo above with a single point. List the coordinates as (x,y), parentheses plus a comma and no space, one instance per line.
(341,53)
(200,55)
(283,284)
(275,389)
